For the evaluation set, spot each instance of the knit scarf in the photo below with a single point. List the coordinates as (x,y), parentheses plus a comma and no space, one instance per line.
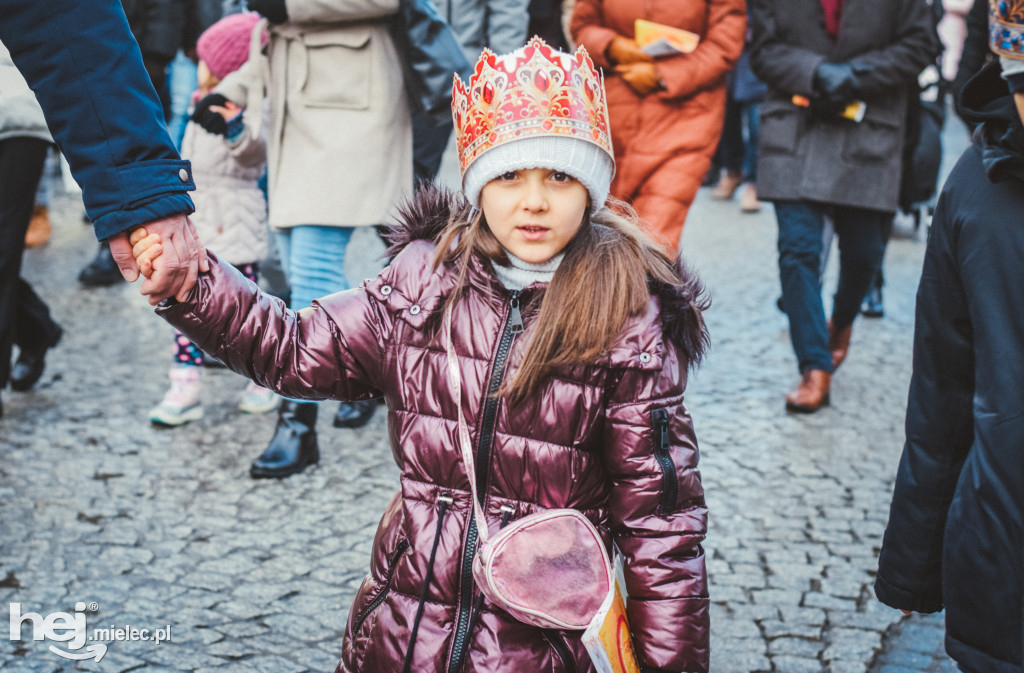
(833,14)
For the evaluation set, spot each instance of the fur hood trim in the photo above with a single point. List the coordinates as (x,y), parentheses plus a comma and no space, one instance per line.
(426,214)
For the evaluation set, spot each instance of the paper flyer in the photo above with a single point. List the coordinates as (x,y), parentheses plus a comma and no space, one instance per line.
(659,40)
(607,638)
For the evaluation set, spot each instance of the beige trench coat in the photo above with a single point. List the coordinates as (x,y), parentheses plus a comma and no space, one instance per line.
(340,145)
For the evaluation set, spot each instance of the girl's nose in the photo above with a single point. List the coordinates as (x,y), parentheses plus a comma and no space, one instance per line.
(535,197)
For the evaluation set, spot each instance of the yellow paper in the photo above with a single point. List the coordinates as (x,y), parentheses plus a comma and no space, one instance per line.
(657,39)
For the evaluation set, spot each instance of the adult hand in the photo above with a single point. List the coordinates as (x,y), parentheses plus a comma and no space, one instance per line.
(642,78)
(275,10)
(839,82)
(207,117)
(176,270)
(623,50)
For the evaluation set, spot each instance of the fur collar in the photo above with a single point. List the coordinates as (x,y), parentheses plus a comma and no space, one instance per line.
(428,212)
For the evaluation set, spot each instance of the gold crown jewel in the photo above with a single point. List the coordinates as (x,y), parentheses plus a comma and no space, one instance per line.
(534,91)
(1006,27)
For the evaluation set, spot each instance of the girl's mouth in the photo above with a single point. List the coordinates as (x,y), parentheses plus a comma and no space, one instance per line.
(532,232)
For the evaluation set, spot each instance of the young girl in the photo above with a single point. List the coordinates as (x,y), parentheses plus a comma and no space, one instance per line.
(573,334)
(231,210)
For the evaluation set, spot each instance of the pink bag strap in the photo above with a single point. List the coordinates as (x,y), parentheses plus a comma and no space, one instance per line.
(465,444)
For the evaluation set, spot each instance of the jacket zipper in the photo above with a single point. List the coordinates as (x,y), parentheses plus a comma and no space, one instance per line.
(669,483)
(513,326)
(403,545)
(561,649)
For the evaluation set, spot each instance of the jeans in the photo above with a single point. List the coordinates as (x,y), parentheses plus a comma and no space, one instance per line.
(313,258)
(738,151)
(862,236)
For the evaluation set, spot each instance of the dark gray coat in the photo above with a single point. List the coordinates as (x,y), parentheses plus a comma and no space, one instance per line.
(837,161)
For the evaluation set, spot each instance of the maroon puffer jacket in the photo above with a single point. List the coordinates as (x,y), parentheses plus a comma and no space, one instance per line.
(611,439)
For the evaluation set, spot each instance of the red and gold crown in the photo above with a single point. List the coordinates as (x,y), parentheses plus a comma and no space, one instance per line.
(1006,27)
(534,91)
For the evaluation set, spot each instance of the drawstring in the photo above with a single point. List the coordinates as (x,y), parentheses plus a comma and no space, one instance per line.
(445,501)
(479,604)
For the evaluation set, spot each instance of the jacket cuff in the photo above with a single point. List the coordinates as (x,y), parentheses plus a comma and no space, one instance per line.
(687,620)
(901,599)
(149,190)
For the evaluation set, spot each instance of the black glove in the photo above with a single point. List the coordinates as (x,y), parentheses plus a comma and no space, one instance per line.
(839,82)
(274,10)
(207,118)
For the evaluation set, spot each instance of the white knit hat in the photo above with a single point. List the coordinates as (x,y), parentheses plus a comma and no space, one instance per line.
(536,107)
(583,160)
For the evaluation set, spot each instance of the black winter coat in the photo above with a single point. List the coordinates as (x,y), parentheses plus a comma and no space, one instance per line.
(158,26)
(835,160)
(955,537)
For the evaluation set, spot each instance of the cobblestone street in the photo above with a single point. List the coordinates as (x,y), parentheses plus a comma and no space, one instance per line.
(164,528)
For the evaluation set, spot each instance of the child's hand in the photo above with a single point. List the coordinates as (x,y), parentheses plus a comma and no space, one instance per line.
(146,248)
(228,111)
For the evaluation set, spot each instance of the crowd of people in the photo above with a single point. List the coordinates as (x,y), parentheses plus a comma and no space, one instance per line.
(544,309)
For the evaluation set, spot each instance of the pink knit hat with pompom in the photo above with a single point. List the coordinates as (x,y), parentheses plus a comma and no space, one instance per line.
(224,46)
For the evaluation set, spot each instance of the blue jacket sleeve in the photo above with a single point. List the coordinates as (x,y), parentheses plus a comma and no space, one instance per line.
(86,70)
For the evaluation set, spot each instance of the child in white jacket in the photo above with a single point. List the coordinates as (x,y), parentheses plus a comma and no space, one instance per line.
(231,207)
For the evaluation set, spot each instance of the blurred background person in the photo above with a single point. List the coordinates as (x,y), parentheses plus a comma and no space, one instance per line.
(339,157)
(814,162)
(25,319)
(666,114)
(231,209)
(737,149)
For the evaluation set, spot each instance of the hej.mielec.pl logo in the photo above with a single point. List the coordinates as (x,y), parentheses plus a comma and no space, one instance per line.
(71,628)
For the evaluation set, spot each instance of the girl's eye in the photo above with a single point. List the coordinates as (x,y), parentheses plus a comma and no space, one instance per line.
(559,176)
(508,175)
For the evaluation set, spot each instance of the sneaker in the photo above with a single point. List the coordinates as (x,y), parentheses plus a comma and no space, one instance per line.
(258,400)
(181,403)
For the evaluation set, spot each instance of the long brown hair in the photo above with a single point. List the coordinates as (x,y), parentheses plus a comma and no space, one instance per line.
(610,269)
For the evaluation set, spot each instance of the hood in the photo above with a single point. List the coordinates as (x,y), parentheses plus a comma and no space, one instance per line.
(431,208)
(986,100)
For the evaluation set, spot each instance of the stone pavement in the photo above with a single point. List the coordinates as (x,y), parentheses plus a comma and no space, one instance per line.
(163,529)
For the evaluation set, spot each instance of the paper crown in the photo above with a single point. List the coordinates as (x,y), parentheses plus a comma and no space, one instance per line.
(534,91)
(1006,27)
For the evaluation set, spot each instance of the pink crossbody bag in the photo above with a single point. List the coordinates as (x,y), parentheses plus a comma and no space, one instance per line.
(550,569)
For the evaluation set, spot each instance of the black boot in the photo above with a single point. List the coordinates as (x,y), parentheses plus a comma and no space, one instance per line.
(293,446)
(354,414)
(102,270)
(32,360)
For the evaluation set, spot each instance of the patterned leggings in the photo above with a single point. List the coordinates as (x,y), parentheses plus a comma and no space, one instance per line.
(187,353)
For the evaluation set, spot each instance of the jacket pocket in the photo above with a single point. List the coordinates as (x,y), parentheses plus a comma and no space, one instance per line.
(338,66)
(781,126)
(872,141)
(403,546)
(669,480)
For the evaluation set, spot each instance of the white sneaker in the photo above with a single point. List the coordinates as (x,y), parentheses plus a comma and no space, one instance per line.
(181,402)
(258,400)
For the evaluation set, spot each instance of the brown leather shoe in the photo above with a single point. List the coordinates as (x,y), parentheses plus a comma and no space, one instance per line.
(839,344)
(811,394)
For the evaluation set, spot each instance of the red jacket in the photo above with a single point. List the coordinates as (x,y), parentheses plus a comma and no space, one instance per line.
(611,439)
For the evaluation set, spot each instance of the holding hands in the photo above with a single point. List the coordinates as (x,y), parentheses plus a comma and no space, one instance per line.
(160,264)
(172,271)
